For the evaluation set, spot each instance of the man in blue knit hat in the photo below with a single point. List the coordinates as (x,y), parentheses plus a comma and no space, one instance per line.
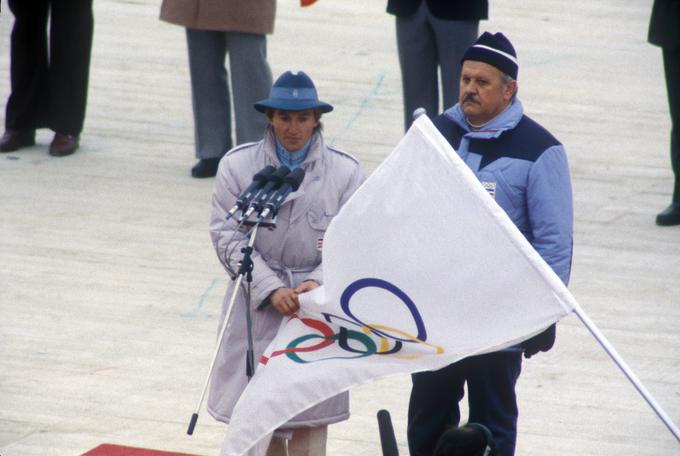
(524,168)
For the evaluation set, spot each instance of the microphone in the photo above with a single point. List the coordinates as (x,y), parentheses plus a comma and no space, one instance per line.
(272,184)
(290,184)
(259,180)
(388,442)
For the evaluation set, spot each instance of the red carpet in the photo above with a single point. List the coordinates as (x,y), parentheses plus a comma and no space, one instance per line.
(107,449)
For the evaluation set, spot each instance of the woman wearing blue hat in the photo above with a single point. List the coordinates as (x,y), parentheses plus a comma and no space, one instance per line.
(287,260)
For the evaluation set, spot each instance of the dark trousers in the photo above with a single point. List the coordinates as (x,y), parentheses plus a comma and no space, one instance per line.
(49,89)
(214,89)
(428,45)
(671,62)
(435,395)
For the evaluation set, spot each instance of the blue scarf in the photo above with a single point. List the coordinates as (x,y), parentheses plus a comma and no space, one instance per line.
(292,159)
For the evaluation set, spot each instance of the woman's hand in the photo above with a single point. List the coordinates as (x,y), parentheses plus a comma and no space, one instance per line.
(285,301)
(307,285)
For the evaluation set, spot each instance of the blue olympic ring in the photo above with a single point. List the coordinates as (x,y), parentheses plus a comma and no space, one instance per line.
(379,283)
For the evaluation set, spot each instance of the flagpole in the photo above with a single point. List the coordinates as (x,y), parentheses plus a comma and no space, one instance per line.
(613,354)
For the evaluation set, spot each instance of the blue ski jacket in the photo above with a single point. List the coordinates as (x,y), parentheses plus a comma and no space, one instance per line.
(525,169)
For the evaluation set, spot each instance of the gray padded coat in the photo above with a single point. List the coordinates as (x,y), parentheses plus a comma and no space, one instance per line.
(283,257)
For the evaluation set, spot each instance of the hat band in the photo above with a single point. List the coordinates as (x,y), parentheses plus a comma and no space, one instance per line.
(288,93)
(504,54)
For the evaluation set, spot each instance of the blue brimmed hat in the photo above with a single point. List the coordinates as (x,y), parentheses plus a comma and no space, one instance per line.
(293,92)
(496,50)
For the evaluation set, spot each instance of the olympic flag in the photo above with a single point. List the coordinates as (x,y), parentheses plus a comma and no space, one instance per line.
(421,268)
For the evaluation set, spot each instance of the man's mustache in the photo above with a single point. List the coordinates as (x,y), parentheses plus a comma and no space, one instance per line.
(471,98)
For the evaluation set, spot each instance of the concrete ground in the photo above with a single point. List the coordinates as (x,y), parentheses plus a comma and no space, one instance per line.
(110,290)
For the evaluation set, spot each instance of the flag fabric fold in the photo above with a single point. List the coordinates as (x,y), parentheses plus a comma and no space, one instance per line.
(421,268)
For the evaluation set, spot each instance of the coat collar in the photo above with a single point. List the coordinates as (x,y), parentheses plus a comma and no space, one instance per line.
(506,120)
(268,146)
(313,164)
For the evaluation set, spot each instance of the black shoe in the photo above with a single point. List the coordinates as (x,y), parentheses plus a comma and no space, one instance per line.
(669,216)
(63,145)
(14,140)
(206,167)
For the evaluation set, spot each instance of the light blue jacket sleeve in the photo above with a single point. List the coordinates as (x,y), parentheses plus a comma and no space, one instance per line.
(550,210)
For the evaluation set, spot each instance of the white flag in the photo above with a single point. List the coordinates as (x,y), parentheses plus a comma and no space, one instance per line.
(421,269)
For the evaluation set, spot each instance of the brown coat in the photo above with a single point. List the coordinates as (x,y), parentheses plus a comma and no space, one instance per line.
(248,16)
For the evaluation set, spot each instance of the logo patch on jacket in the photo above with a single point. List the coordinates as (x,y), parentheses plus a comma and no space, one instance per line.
(490,188)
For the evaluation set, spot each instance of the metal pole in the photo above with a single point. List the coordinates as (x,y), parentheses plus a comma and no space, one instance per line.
(611,351)
(237,286)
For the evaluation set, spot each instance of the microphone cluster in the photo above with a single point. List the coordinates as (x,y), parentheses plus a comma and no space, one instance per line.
(267,192)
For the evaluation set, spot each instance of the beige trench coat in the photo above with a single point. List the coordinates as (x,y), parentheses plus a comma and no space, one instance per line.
(284,257)
(247,16)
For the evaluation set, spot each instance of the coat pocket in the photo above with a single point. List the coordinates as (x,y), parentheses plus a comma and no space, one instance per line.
(319,221)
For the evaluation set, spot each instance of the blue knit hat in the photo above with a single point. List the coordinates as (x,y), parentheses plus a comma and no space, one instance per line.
(496,50)
(293,92)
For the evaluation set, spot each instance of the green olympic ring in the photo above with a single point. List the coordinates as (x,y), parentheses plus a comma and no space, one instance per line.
(342,338)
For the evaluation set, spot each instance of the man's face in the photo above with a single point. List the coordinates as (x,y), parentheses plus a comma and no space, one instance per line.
(483,93)
(293,128)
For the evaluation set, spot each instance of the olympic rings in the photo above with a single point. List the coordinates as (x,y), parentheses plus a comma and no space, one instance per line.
(379,283)
(358,343)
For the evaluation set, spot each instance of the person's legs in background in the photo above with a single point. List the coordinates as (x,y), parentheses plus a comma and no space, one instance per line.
(71,29)
(671,60)
(251,80)
(210,98)
(452,38)
(26,107)
(418,62)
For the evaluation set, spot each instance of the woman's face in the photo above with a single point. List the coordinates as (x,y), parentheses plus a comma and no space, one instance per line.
(293,128)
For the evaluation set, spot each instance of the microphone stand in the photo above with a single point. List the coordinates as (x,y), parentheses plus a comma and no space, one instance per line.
(245,271)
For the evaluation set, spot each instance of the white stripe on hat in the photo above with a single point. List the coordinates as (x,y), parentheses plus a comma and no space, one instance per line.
(504,54)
